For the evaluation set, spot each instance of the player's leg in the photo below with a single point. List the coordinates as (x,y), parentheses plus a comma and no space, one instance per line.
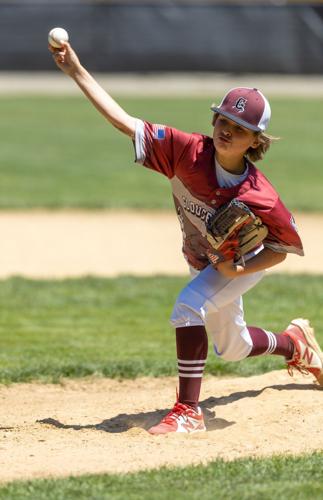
(189,314)
(234,340)
(297,343)
(215,302)
(186,416)
(267,342)
(224,321)
(192,348)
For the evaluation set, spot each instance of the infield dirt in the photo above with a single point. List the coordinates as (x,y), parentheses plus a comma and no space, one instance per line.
(99,425)
(40,244)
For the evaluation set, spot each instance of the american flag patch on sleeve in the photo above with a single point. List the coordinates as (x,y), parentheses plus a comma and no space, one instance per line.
(159,132)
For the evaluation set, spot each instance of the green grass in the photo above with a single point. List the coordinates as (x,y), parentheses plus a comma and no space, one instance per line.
(281,478)
(119,327)
(58,152)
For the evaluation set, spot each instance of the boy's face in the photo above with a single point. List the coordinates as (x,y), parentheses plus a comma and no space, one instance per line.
(231,139)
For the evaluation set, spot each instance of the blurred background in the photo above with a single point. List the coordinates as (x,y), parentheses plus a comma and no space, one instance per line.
(177,35)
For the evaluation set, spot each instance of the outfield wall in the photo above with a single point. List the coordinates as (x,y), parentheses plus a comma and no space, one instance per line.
(167,36)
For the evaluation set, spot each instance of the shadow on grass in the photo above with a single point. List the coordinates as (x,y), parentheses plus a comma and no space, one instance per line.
(124,421)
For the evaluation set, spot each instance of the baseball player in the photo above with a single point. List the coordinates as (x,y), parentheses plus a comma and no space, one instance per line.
(206,173)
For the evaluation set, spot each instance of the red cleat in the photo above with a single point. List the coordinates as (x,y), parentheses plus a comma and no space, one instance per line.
(182,418)
(308,357)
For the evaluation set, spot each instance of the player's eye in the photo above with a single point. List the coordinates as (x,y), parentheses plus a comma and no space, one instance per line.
(241,130)
(223,121)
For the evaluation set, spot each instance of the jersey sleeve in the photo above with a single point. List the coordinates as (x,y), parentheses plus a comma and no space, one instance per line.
(282,230)
(159,147)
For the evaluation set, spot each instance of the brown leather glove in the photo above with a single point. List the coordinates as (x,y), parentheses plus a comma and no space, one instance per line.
(233,231)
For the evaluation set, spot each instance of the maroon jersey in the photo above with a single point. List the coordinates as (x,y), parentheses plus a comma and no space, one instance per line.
(188,162)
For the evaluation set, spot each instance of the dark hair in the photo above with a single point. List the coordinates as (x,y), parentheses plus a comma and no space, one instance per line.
(265,140)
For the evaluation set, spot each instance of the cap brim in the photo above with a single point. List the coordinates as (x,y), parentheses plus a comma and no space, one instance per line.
(236,119)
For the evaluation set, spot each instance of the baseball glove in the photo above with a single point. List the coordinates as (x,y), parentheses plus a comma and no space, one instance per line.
(232,231)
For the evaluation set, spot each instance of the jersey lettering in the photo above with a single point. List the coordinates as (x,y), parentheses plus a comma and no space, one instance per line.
(196,209)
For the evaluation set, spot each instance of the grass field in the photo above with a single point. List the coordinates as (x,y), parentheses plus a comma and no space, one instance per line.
(286,478)
(119,327)
(58,152)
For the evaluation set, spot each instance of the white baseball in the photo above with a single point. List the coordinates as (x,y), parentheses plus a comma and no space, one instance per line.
(56,36)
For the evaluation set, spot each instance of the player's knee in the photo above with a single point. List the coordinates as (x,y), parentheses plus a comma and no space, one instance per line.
(229,355)
(187,309)
(234,347)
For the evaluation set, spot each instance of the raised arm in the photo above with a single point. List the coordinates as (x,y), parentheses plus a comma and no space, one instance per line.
(67,60)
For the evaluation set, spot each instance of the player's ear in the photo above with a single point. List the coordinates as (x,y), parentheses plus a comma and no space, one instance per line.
(214,117)
(256,141)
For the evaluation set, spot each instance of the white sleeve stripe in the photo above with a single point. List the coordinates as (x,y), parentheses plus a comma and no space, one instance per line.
(140,146)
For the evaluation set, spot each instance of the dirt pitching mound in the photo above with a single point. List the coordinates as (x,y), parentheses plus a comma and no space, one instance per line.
(99,425)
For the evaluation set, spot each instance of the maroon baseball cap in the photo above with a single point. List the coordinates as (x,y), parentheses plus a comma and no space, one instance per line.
(247,107)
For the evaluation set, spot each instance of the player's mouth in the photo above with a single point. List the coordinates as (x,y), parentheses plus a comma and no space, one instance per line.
(224,139)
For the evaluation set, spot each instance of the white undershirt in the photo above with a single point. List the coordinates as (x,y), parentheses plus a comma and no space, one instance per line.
(227,179)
